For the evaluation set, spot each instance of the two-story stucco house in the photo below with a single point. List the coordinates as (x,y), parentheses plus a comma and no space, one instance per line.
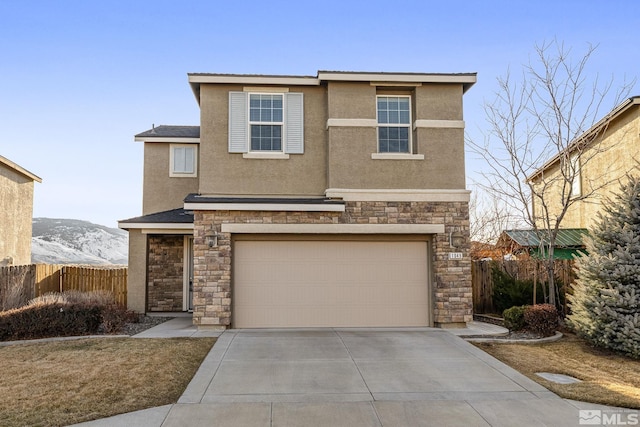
(612,149)
(330,201)
(16,213)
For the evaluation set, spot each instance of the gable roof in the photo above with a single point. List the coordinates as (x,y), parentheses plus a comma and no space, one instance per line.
(19,169)
(598,127)
(170,133)
(566,238)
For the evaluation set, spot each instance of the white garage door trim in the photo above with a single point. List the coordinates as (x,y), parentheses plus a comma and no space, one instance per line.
(331,283)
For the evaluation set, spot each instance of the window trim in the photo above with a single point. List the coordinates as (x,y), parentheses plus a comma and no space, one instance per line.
(172,172)
(282,124)
(576,184)
(408,126)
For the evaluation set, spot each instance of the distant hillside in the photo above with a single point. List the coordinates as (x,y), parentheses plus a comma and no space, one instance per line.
(72,241)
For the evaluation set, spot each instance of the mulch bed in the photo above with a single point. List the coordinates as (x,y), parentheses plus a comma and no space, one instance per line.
(144,323)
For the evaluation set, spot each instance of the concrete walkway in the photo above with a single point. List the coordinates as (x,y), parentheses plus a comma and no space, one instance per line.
(180,327)
(355,377)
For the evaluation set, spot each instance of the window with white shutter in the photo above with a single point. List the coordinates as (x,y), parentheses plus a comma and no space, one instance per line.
(183,160)
(266,123)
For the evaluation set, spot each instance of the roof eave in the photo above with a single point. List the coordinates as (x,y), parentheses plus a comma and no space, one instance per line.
(612,115)
(196,79)
(19,169)
(174,140)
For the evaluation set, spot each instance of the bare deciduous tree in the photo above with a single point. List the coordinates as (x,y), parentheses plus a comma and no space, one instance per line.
(543,120)
(489,217)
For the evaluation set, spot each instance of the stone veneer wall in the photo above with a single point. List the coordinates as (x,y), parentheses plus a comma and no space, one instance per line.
(165,273)
(452,294)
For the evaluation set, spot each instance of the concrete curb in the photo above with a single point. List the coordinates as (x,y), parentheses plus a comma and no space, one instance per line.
(54,339)
(556,337)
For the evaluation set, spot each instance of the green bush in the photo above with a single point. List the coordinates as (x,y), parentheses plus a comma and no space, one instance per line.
(509,292)
(541,319)
(514,318)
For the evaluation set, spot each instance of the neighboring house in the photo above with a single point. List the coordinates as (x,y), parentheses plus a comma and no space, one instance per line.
(612,152)
(330,201)
(519,244)
(16,212)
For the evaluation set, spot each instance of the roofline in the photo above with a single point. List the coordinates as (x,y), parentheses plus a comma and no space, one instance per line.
(155,225)
(253,79)
(172,139)
(366,76)
(20,169)
(195,79)
(609,117)
(290,207)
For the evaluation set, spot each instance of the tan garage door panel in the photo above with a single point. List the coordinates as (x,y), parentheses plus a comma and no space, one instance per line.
(330,284)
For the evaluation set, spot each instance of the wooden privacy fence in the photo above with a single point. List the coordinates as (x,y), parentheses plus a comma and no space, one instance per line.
(531,269)
(16,285)
(87,279)
(19,284)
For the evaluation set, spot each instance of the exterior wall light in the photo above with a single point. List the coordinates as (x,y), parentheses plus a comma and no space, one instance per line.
(456,239)
(211,237)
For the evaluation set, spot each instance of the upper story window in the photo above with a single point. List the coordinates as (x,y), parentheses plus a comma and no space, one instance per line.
(576,184)
(394,124)
(183,160)
(266,122)
(266,125)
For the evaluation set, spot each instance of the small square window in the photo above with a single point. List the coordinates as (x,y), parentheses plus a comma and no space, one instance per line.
(183,160)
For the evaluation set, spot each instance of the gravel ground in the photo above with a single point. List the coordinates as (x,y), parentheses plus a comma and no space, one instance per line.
(144,323)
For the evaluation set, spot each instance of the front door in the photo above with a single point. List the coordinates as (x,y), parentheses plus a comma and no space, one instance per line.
(188,274)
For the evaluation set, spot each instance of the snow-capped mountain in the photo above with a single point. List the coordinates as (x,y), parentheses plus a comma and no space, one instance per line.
(72,241)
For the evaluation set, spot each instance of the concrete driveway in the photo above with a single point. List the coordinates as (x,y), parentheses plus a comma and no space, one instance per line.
(361,377)
(355,377)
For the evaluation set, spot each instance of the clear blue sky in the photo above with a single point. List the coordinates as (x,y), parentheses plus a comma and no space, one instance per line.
(79,78)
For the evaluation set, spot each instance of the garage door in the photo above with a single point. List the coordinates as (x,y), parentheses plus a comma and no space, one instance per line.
(330,284)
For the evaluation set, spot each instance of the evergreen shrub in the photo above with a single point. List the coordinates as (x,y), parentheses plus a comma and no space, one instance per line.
(514,318)
(605,305)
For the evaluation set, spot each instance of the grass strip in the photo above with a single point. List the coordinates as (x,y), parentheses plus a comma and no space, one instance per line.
(66,382)
(607,378)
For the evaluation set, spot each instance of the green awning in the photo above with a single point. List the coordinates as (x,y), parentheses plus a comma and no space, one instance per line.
(566,238)
(560,253)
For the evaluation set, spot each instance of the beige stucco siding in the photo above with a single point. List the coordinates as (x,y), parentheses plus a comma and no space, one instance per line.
(351,100)
(351,164)
(350,148)
(438,102)
(137,274)
(162,192)
(233,174)
(340,137)
(16,211)
(602,168)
